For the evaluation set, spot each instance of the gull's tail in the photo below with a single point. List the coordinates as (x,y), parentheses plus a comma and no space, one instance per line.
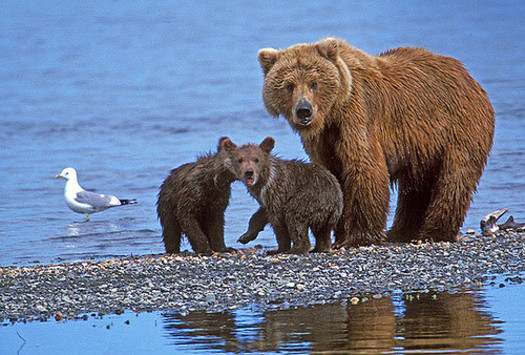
(128,202)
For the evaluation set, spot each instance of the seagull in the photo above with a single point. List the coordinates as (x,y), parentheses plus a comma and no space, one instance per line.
(82,201)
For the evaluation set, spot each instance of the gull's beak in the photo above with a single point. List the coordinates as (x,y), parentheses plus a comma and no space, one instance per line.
(58,176)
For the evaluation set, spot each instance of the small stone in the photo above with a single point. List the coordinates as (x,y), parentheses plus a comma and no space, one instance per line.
(290,285)
(59,316)
(471,231)
(354,300)
(210,298)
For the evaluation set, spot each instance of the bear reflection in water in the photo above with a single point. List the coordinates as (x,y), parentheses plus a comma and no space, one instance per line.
(413,322)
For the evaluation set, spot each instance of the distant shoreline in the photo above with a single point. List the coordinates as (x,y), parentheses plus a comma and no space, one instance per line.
(185,282)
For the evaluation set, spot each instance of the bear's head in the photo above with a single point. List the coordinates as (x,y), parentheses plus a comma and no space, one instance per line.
(250,163)
(304,82)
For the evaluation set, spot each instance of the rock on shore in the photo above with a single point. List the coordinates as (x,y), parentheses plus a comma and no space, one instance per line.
(186,282)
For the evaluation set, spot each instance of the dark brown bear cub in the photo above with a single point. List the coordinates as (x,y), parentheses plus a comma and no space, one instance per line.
(294,196)
(192,201)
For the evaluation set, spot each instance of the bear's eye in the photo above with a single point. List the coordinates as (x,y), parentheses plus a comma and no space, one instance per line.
(240,160)
(256,160)
(290,88)
(313,85)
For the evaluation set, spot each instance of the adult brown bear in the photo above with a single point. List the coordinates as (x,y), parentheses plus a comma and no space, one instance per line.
(408,117)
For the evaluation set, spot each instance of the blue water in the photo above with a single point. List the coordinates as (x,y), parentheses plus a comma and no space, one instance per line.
(470,322)
(126,90)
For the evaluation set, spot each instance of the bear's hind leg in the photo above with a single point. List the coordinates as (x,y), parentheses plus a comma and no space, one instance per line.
(283,239)
(450,199)
(171,234)
(198,240)
(323,241)
(215,231)
(299,235)
(412,203)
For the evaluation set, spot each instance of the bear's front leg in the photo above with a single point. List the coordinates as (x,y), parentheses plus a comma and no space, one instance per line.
(257,223)
(366,195)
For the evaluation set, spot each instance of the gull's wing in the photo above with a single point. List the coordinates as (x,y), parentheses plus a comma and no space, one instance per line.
(97,201)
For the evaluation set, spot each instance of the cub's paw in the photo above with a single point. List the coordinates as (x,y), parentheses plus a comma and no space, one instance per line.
(246,238)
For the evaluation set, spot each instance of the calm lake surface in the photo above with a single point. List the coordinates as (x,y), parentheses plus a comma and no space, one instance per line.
(472,322)
(125,91)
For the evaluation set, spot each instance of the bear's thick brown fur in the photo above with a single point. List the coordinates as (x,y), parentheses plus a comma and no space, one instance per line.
(294,196)
(408,117)
(192,201)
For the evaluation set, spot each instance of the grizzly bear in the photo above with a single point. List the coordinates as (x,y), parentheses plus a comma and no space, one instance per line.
(407,117)
(192,201)
(293,195)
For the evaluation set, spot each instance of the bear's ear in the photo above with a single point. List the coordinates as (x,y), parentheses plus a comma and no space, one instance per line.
(267,144)
(267,58)
(329,48)
(226,144)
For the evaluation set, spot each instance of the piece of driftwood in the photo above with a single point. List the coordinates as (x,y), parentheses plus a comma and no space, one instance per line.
(489,223)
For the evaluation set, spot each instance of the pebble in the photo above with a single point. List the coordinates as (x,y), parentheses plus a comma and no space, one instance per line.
(186,282)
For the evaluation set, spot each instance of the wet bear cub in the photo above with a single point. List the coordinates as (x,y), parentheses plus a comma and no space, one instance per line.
(293,195)
(192,201)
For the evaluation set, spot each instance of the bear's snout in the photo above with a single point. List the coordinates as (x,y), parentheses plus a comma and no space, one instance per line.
(303,112)
(249,176)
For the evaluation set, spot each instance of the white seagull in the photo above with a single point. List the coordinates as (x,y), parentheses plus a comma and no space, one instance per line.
(82,201)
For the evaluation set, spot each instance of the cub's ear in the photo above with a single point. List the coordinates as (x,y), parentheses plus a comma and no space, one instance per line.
(329,48)
(267,144)
(226,144)
(267,58)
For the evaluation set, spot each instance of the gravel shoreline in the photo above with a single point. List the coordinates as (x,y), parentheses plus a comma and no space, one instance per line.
(185,282)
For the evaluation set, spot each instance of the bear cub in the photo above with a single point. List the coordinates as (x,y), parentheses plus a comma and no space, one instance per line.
(293,195)
(192,201)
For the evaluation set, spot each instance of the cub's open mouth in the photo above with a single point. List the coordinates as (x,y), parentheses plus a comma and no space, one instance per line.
(249,181)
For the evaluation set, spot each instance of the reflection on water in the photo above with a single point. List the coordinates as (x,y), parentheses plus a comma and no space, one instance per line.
(410,323)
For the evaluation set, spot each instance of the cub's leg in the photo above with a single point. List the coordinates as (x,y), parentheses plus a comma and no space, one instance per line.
(215,231)
(171,233)
(257,223)
(198,240)
(298,231)
(323,242)
(283,238)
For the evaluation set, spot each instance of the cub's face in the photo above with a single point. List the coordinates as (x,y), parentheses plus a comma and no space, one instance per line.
(248,161)
(302,83)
